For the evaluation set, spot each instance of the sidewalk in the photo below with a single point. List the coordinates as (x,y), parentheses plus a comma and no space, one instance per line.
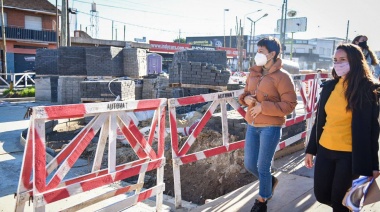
(293,193)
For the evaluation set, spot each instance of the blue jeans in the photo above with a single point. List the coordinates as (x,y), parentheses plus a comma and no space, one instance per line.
(260,144)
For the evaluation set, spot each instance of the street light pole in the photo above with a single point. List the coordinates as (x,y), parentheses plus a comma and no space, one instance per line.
(254,30)
(224,26)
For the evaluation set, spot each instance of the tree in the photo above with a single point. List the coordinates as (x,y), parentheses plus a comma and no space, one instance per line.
(180,40)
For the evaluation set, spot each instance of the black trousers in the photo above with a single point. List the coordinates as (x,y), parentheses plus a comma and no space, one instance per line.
(332,177)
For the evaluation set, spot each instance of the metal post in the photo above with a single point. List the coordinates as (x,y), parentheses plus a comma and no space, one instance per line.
(253,36)
(286,11)
(250,42)
(348,27)
(112,30)
(224,26)
(124,32)
(5,70)
(230,37)
(291,47)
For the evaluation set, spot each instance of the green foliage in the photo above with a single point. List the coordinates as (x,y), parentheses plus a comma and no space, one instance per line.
(181,40)
(26,92)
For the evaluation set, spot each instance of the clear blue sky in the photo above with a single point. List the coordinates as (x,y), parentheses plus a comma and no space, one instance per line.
(163,20)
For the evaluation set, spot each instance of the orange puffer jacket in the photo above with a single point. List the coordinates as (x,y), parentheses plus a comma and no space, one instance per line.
(276,93)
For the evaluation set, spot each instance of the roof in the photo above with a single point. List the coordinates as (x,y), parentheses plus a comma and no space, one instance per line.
(35,5)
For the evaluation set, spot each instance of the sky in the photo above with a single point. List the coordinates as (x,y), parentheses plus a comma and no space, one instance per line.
(166,20)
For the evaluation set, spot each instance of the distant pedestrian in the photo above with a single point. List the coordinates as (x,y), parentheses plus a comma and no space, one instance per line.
(370,56)
(345,134)
(270,95)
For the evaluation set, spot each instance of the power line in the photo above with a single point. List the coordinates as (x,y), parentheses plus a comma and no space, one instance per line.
(145,11)
(135,25)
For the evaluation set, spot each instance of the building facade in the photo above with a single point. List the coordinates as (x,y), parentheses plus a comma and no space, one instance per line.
(29,25)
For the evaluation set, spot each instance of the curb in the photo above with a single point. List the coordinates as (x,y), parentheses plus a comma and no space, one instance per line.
(25,99)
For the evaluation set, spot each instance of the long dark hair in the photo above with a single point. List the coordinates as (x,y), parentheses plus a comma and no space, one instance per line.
(374,60)
(359,80)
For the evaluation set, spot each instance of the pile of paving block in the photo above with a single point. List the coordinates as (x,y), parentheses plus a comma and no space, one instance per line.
(156,86)
(200,67)
(106,90)
(197,68)
(66,73)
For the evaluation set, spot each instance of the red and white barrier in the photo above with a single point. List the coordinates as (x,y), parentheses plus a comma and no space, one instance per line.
(48,182)
(306,87)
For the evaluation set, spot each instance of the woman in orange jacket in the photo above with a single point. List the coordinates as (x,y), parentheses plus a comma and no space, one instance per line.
(270,95)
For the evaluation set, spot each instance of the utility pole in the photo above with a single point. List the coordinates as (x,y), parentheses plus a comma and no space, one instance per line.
(348,27)
(4,40)
(68,24)
(179,36)
(230,37)
(283,25)
(56,22)
(112,30)
(64,23)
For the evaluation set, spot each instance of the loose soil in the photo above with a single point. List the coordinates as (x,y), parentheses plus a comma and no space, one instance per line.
(205,179)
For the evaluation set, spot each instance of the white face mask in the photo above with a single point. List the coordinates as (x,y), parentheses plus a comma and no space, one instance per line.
(260,59)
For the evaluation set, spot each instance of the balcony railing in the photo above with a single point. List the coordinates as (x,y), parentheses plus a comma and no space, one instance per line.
(29,34)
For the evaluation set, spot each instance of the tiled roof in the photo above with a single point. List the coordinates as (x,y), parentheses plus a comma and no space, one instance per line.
(39,5)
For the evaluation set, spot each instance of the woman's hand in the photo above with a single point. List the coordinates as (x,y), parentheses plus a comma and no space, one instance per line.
(256,110)
(249,99)
(375,173)
(309,161)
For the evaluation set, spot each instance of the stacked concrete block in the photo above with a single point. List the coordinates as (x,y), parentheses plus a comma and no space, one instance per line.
(135,63)
(211,57)
(46,62)
(104,61)
(138,88)
(199,74)
(156,86)
(105,90)
(150,90)
(46,88)
(72,61)
(199,67)
(69,89)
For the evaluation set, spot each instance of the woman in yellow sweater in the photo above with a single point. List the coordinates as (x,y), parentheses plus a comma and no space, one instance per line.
(345,134)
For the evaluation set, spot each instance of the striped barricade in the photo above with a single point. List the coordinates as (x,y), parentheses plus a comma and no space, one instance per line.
(46,183)
(180,154)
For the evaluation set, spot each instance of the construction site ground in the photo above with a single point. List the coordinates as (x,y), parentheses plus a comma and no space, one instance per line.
(294,191)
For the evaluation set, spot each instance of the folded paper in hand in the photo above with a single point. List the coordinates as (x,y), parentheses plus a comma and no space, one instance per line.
(355,197)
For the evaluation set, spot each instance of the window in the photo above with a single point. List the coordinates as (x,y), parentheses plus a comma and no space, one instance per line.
(33,22)
(321,51)
(328,51)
